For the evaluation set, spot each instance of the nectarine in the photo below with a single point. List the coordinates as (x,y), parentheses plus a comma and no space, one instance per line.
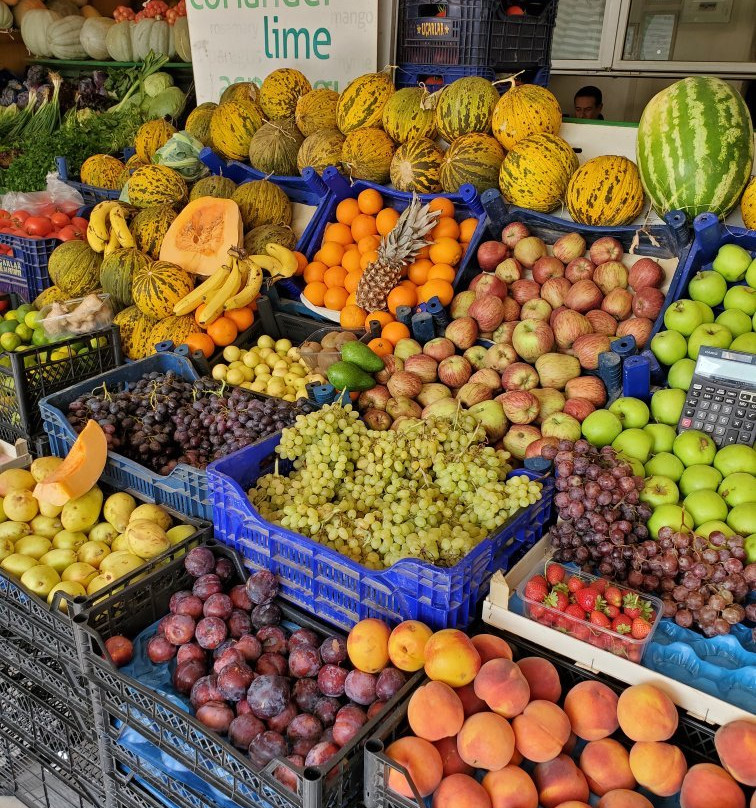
(422,762)
(435,711)
(406,645)
(367,645)
(451,657)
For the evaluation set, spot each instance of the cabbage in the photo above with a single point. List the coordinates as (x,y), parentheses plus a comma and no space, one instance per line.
(167,103)
(156,83)
(181,153)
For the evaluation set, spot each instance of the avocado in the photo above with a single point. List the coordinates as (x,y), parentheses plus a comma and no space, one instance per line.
(359,354)
(347,376)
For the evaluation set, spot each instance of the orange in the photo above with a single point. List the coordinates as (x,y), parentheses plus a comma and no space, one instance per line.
(393,332)
(445,251)
(381,317)
(418,272)
(301,262)
(335,298)
(370,201)
(201,342)
(334,276)
(346,210)
(352,299)
(441,272)
(314,271)
(446,227)
(368,244)
(315,292)
(198,312)
(340,233)
(424,252)
(444,204)
(386,220)
(352,317)
(408,284)
(467,229)
(368,258)
(351,260)
(223,331)
(352,279)
(330,253)
(401,296)
(443,290)
(242,318)
(382,347)
(362,226)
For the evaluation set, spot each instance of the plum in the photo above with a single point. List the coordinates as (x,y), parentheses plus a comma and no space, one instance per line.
(304,636)
(216,715)
(239,623)
(279,722)
(249,647)
(121,650)
(262,587)
(390,682)
(327,736)
(199,561)
(187,673)
(331,680)
(306,694)
(302,746)
(321,753)
(234,680)
(205,690)
(375,709)
(207,585)
(333,650)
(229,656)
(243,708)
(190,605)
(326,709)
(160,628)
(273,639)
(159,649)
(210,632)
(349,721)
(304,661)
(305,727)
(271,664)
(243,729)
(268,695)
(266,614)
(286,776)
(179,629)
(360,687)
(224,569)
(176,598)
(266,746)
(240,598)
(218,605)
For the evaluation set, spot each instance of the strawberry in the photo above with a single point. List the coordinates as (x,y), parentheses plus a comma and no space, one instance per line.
(555,574)
(586,598)
(574,583)
(611,611)
(613,596)
(622,624)
(557,600)
(599,619)
(600,585)
(640,628)
(576,611)
(536,588)
(633,606)
(581,631)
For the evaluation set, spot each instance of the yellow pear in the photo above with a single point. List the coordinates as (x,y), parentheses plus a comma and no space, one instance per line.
(43,466)
(59,560)
(177,534)
(47,526)
(117,510)
(120,563)
(68,540)
(50,510)
(152,513)
(147,539)
(83,512)
(104,532)
(14,530)
(120,542)
(40,579)
(16,564)
(80,573)
(71,588)
(6,548)
(92,552)
(15,480)
(33,546)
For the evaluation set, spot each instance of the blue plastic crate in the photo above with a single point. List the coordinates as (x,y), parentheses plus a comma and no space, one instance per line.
(90,193)
(331,586)
(25,273)
(434,77)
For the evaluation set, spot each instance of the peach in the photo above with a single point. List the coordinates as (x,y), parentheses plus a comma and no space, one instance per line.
(516,758)
(709,786)
(511,787)
(571,743)
(367,645)
(470,702)
(451,657)
(659,767)
(559,780)
(592,709)
(736,747)
(491,647)
(486,741)
(422,762)
(542,677)
(406,645)
(502,686)
(435,712)
(606,766)
(623,798)
(646,713)
(573,804)
(460,791)
(453,763)
(541,731)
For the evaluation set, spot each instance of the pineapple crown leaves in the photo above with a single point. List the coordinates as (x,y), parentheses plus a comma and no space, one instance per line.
(407,237)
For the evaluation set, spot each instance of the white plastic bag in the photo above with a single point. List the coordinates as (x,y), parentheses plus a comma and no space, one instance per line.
(57,196)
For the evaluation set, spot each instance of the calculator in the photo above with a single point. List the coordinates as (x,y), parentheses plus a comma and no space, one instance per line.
(722,397)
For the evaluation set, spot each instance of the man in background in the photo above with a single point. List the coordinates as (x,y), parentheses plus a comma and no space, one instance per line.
(589,103)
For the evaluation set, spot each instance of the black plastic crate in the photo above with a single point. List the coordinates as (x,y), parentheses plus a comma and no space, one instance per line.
(450,32)
(32,375)
(523,40)
(122,702)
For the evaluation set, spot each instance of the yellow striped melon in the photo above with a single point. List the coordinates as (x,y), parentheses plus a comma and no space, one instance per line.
(316,111)
(748,205)
(367,155)
(156,185)
(362,102)
(135,329)
(198,122)
(219,187)
(475,159)
(240,91)
(173,328)
(320,150)
(151,136)
(523,111)
(262,202)
(605,192)
(157,287)
(416,166)
(280,92)
(149,227)
(102,171)
(409,114)
(231,128)
(466,105)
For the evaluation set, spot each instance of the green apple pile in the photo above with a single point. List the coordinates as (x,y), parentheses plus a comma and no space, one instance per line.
(81,547)
(691,322)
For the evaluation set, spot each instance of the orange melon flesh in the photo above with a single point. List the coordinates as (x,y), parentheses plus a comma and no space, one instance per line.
(199,238)
(80,470)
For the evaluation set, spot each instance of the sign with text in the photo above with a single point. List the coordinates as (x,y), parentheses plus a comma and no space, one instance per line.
(330,41)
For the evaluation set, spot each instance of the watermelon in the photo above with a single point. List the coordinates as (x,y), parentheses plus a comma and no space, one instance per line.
(695,147)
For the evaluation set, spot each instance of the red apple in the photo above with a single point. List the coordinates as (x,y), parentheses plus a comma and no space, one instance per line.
(646,272)
(639,327)
(391,364)
(602,323)
(550,400)
(555,313)
(590,388)
(405,384)
(648,302)
(568,326)
(605,249)
(374,398)
(504,332)
(519,406)
(524,290)
(534,449)
(532,338)
(454,371)
(487,311)
(514,232)
(569,247)
(583,296)
(579,408)
(618,303)
(588,347)
(509,270)
(500,356)
(511,310)
(403,407)
(535,309)
(580,269)
(487,376)
(519,376)
(439,348)
(423,366)
(528,250)
(461,302)
(610,275)
(485,283)
(491,253)
(432,392)
(519,437)
(555,291)
(377,419)
(462,332)
(547,267)
(473,393)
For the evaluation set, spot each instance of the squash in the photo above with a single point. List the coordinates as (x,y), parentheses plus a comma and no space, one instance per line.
(6,17)
(201,235)
(198,122)
(90,12)
(149,227)
(152,35)
(79,471)
(316,111)
(34,27)
(66,8)
(117,273)
(274,146)
(181,40)
(92,37)
(280,92)
(156,185)
(158,287)
(74,267)
(21,9)
(102,171)
(416,166)
(231,128)
(367,155)
(605,191)
(320,150)
(151,136)
(523,111)
(64,38)
(118,42)
(262,202)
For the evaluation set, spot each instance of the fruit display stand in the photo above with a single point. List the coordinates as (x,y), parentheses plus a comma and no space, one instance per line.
(149,734)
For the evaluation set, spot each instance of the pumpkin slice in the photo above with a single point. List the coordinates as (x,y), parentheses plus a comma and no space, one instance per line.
(80,470)
(199,238)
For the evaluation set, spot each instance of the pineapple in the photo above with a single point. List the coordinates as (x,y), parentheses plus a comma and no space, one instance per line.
(396,249)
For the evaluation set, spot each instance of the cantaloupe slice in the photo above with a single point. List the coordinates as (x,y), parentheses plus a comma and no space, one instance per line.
(81,469)
(199,238)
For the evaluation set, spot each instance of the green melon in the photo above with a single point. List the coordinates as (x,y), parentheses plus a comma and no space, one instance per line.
(149,227)
(256,240)
(158,287)
(117,273)
(320,150)
(262,202)
(409,114)
(475,159)
(274,147)
(74,267)
(466,105)
(416,166)
(218,187)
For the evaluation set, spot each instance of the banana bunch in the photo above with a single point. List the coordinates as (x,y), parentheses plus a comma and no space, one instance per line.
(279,262)
(108,228)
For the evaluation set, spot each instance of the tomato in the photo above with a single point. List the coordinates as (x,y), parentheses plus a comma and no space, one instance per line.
(4,214)
(38,226)
(80,223)
(20,216)
(68,233)
(60,219)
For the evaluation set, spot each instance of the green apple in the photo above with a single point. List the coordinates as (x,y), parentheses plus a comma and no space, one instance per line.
(669,346)
(731,262)
(736,457)
(738,488)
(750,548)
(666,405)
(658,490)
(742,519)
(681,374)
(750,276)
(683,316)
(705,506)
(741,298)
(694,448)
(662,435)
(707,286)
(665,464)
(632,412)
(745,343)
(706,312)
(707,528)
(737,321)
(601,427)
(633,443)
(636,466)
(698,478)
(673,516)
(717,336)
